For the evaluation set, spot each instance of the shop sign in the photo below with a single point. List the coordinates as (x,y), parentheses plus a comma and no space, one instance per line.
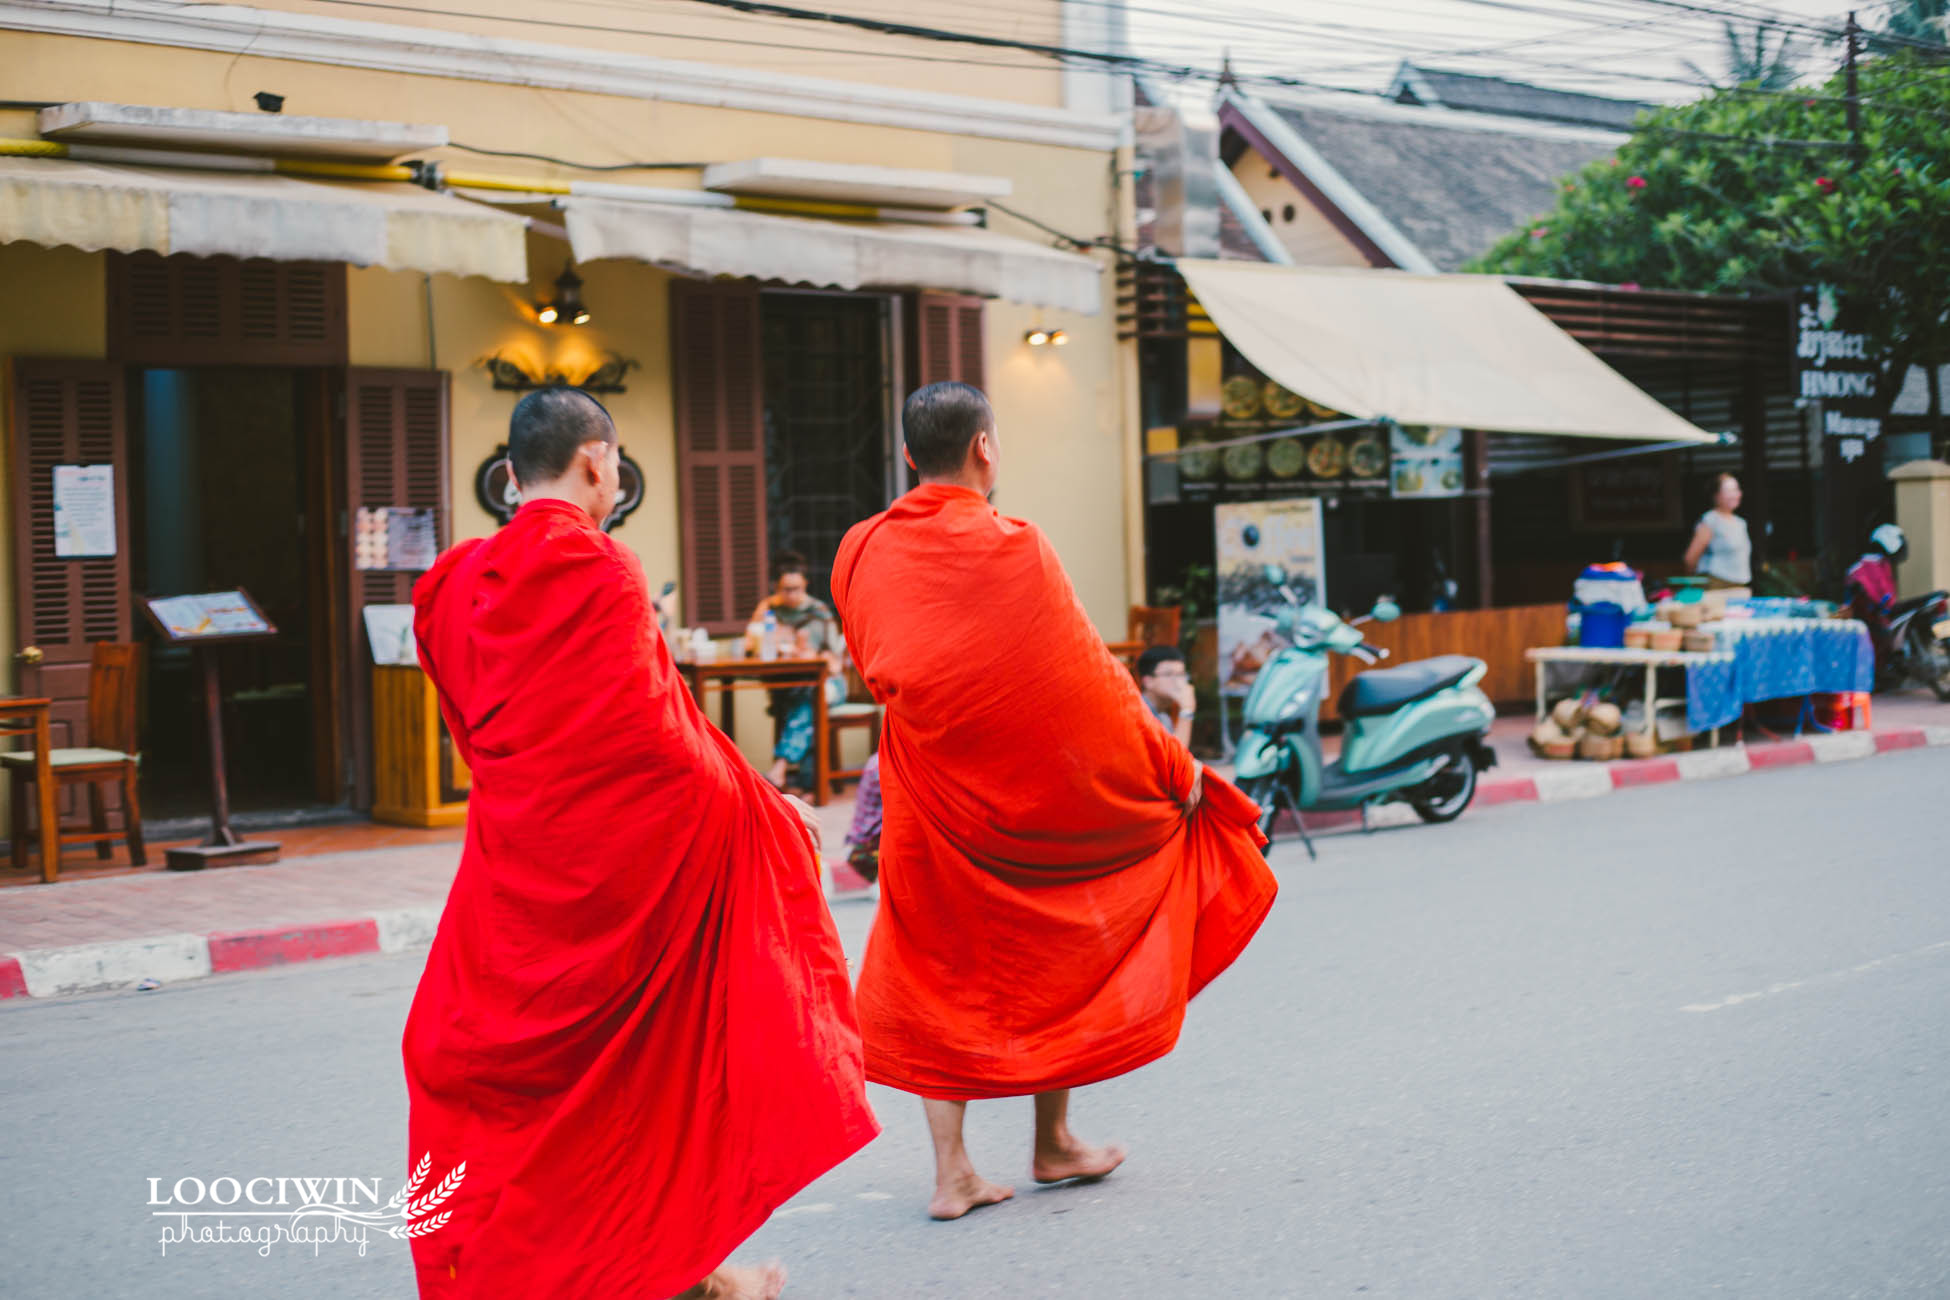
(1834,367)
(1636,494)
(1428,461)
(1261,462)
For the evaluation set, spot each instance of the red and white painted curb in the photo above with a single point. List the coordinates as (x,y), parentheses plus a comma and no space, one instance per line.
(171,958)
(1588,780)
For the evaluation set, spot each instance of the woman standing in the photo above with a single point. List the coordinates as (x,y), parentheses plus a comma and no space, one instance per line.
(1721,550)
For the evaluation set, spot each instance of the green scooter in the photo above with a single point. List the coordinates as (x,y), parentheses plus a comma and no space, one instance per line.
(1416,733)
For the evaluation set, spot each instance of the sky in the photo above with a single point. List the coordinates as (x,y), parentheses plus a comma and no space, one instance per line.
(1634,49)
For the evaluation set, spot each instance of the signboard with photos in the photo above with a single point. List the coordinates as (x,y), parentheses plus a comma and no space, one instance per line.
(1261,447)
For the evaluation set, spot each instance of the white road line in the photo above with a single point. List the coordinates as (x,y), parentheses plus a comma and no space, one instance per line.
(1786,986)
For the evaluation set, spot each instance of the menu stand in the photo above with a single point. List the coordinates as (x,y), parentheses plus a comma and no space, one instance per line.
(203,622)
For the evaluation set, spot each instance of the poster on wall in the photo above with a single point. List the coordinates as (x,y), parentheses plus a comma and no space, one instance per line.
(1428,461)
(84,511)
(1253,535)
(1834,367)
(392,537)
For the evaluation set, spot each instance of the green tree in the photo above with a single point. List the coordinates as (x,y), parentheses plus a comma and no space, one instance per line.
(1743,192)
(1918,20)
(1762,56)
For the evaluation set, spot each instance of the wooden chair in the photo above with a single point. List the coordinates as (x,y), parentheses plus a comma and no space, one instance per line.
(859,710)
(111,756)
(1154,624)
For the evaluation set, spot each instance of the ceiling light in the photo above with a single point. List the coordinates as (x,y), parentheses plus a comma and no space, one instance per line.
(568,301)
(1036,338)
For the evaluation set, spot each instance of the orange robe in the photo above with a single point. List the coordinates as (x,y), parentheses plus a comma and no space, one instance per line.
(635,1026)
(1046,908)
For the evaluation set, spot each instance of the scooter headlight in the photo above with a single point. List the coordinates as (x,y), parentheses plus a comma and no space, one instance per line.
(1295,707)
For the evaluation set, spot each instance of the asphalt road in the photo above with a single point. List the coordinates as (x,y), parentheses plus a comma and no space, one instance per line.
(1682,1041)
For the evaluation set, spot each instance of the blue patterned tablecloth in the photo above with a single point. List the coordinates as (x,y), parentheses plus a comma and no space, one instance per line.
(1776,658)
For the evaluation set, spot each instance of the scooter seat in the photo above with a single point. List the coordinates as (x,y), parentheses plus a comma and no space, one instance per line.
(1383,690)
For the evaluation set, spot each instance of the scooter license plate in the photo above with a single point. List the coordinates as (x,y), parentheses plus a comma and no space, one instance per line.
(1942,629)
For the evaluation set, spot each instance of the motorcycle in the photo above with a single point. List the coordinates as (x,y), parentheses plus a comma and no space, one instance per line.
(1416,733)
(1911,635)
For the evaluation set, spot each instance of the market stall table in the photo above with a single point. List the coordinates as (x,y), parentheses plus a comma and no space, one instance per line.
(29,717)
(773,675)
(1706,662)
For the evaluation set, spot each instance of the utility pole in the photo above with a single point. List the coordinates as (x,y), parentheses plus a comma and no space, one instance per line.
(1853,35)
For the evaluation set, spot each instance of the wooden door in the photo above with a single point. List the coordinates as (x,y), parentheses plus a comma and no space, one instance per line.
(396,449)
(720,451)
(65,413)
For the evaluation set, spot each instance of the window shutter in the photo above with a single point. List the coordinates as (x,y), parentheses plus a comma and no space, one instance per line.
(396,454)
(720,450)
(946,343)
(66,413)
(186,311)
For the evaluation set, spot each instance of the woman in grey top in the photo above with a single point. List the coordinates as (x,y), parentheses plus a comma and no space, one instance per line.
(1721,549)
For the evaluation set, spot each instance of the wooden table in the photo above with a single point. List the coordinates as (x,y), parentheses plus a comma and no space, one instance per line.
(28,717)
(773,675)
(1618,657)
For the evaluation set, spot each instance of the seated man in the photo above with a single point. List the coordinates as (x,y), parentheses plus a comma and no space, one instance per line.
(806,628)
(1167,689)
(861,868)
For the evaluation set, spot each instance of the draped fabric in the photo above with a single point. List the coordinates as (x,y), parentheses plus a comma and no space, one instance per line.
(635,1025)
(1047,908)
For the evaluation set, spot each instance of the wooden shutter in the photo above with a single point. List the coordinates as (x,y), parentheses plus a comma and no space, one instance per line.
(720,450)
(187,311)
(946,340)
(65,413)
(396,454)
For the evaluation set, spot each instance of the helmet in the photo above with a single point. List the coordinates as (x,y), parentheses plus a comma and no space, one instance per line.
(1891,541)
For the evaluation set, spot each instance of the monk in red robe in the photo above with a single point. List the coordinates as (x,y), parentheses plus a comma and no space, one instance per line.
(1057,878)
(635,1026)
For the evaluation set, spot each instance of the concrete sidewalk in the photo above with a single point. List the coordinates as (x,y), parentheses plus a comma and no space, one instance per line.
(117,931)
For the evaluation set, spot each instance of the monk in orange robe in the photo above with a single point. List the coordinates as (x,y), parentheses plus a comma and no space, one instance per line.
(635,1037)
(1057,877)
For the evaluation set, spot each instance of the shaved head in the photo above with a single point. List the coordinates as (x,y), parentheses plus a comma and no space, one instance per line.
(548,427)
(939,422)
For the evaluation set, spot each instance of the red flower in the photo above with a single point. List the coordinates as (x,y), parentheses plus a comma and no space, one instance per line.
(1538,232)
(1635,182)
(1825,185)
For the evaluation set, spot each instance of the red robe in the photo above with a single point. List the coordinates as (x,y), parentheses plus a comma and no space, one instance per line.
(635,1025)
(1046,907)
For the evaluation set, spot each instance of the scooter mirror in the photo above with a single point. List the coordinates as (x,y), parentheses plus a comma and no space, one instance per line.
(1385,610)
(1275,575)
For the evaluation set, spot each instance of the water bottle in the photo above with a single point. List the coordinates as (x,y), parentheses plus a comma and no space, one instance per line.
(768,643)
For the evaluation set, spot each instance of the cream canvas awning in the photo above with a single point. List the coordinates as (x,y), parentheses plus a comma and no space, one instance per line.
(249,214)
(833,254)
(1448,350)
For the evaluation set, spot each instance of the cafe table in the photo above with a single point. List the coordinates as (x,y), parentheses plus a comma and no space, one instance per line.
(771,675)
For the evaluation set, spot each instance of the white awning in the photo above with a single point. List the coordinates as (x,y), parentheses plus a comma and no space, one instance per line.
(1448,350)
(833,254)
(249,214)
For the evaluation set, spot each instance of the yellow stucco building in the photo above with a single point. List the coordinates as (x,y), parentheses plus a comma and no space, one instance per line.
(277,264)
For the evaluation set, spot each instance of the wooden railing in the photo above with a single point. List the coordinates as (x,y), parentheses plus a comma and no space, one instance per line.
(1496,636)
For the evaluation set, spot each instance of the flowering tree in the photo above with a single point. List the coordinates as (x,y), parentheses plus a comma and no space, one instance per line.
(1753,192)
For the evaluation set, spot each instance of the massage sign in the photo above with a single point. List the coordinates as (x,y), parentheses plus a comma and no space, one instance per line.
(1835,368)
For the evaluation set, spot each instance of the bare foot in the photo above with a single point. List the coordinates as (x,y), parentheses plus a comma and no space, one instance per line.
(762,1283)
(1074,1160)
(968,1192)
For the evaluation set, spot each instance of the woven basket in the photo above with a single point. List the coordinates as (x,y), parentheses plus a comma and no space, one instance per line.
(1601,748)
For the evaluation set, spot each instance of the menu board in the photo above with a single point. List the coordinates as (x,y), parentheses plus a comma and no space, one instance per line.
(84,511)
(211,616)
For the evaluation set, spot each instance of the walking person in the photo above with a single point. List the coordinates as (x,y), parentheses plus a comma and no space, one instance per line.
(635,1026)
(1057,876)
